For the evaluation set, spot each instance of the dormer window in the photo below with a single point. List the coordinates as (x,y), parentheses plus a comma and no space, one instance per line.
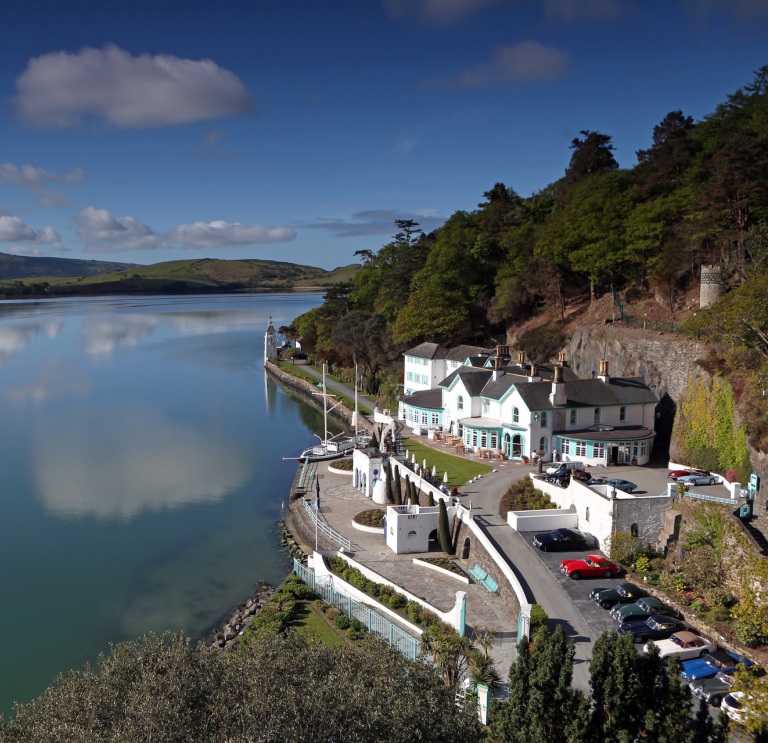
(622,414)
(597,416)
(515,415)
(460,402)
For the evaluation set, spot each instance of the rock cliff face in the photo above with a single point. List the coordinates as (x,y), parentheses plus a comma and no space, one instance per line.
(663,360)
(666,363)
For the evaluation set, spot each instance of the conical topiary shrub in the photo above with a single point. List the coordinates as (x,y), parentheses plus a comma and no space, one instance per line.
(444,530)
(374,442)
(431,501)
(390,497)
(396,488)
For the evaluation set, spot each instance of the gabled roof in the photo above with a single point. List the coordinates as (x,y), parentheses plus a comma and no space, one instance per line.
(476,361)
(461,353)
(427,351)
(583,393)
(432,399)
(473,379)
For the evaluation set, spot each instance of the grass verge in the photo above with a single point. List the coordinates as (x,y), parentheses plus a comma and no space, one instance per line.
(460,471)
(308,622)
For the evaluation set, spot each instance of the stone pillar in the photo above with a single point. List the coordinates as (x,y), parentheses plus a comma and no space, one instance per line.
(712,285)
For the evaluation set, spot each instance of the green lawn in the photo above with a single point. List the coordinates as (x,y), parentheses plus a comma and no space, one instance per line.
(460,471)
(308,622)
(296,371)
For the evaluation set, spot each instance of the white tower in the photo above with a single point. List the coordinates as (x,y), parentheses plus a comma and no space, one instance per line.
(270,342)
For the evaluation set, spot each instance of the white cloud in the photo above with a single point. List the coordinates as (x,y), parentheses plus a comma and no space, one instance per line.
(436,11)
(101,232)
(515,65)
(13,230)
(374,222)
(220,234)
(60,89)
(18,250)
(37,180)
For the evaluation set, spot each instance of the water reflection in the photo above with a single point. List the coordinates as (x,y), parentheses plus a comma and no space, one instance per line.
(15,336)
(115,466)
(52,378)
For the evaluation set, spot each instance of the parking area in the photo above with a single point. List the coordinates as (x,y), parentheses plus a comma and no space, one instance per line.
(652,480)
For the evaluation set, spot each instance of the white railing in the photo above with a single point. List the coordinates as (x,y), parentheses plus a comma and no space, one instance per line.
(324,529)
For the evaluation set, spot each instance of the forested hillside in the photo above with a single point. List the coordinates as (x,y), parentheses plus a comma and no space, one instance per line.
(697,195)
(22,266)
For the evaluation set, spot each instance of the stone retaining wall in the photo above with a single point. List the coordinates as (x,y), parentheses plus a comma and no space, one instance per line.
(342,412)
(478,555)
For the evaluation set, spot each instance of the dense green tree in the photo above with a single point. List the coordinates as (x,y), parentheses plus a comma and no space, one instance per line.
(592,155)
(275,688)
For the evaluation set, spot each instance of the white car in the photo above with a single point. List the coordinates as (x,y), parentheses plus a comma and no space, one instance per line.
(564,466)
(733,705)
(685,645)
(697,480)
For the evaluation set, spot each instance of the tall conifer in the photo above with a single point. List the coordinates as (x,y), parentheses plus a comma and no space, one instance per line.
(444,530)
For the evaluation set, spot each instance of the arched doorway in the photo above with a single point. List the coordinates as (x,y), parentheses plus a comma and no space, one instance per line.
(433,535)
(517,446)
(465,550)
(506,445)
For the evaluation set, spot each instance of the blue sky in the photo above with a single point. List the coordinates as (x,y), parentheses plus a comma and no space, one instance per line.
(298,131)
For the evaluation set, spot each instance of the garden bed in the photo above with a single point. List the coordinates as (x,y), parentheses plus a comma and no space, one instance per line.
(442,565)
(373,517)
(342,464)
(523,496)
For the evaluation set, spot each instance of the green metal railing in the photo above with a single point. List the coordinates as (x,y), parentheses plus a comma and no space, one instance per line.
(710,498)
(324,529)
(374,622)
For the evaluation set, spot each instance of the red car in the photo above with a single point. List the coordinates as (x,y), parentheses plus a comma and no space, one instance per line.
(682,473)
(590,565)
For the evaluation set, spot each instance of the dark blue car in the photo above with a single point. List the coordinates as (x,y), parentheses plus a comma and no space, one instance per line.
(716,662)
(655,628)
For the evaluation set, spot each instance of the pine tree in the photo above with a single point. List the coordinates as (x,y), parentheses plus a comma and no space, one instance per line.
(509,724)
(444,529)
(390,498)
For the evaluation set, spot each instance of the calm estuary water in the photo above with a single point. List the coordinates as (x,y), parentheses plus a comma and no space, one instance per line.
(142,477)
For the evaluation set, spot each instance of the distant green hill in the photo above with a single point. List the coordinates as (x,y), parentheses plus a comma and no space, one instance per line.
(199,275)
(22,267)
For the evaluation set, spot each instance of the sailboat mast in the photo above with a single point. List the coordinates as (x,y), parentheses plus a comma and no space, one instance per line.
(325,406)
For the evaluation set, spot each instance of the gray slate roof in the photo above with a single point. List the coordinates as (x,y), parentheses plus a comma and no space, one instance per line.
(545,371)
(583,393)
(461,353)
(474,379)
(432,399)
(427,351)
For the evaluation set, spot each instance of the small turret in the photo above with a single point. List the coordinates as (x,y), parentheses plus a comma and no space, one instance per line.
(270,342)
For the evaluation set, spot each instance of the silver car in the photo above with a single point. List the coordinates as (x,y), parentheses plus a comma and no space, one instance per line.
(697,480)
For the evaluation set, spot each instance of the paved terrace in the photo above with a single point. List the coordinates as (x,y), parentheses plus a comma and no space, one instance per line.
(340,501)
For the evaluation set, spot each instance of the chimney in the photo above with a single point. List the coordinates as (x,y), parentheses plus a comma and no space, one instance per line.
(561,359)
(499,351)
(497,362)
(497,372)
(603,376)
(534,374)
(558,397)
(520,357)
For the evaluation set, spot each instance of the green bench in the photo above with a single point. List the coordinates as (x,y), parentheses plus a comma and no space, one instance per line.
(482,577)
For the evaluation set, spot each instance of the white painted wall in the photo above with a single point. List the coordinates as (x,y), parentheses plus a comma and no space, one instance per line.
(409,527)
(543,520)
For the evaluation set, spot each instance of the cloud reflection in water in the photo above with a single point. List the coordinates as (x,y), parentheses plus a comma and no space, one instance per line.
(117,465)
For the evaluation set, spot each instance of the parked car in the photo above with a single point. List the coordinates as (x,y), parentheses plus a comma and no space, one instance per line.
(655,628)
(641,610)
(685,645)
(624,593)
(697,480)
(733,705)
(591,565)
(712,663)
(712,690)
(596,481)
(581,475)
(674,474)
(564,466)
(620,484)
(561,540)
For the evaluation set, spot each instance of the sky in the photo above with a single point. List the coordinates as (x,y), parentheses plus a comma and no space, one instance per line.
(299,131)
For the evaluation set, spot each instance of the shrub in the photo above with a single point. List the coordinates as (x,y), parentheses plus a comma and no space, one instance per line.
(657,563)
(333,612)
(385,591)
(371,588)
(343,464)
(426,617)
(698,605)
(718,597)
(274,616)
(623,547)
(412,606)
(643,565)
(396,601)
(357,625)
(372,517)
(323,606)
(299,590)
(336,563)
(523,496)
(539,617)
(341,621)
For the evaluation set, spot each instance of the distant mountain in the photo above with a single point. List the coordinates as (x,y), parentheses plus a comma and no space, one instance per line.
(25,267)
(199,275)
